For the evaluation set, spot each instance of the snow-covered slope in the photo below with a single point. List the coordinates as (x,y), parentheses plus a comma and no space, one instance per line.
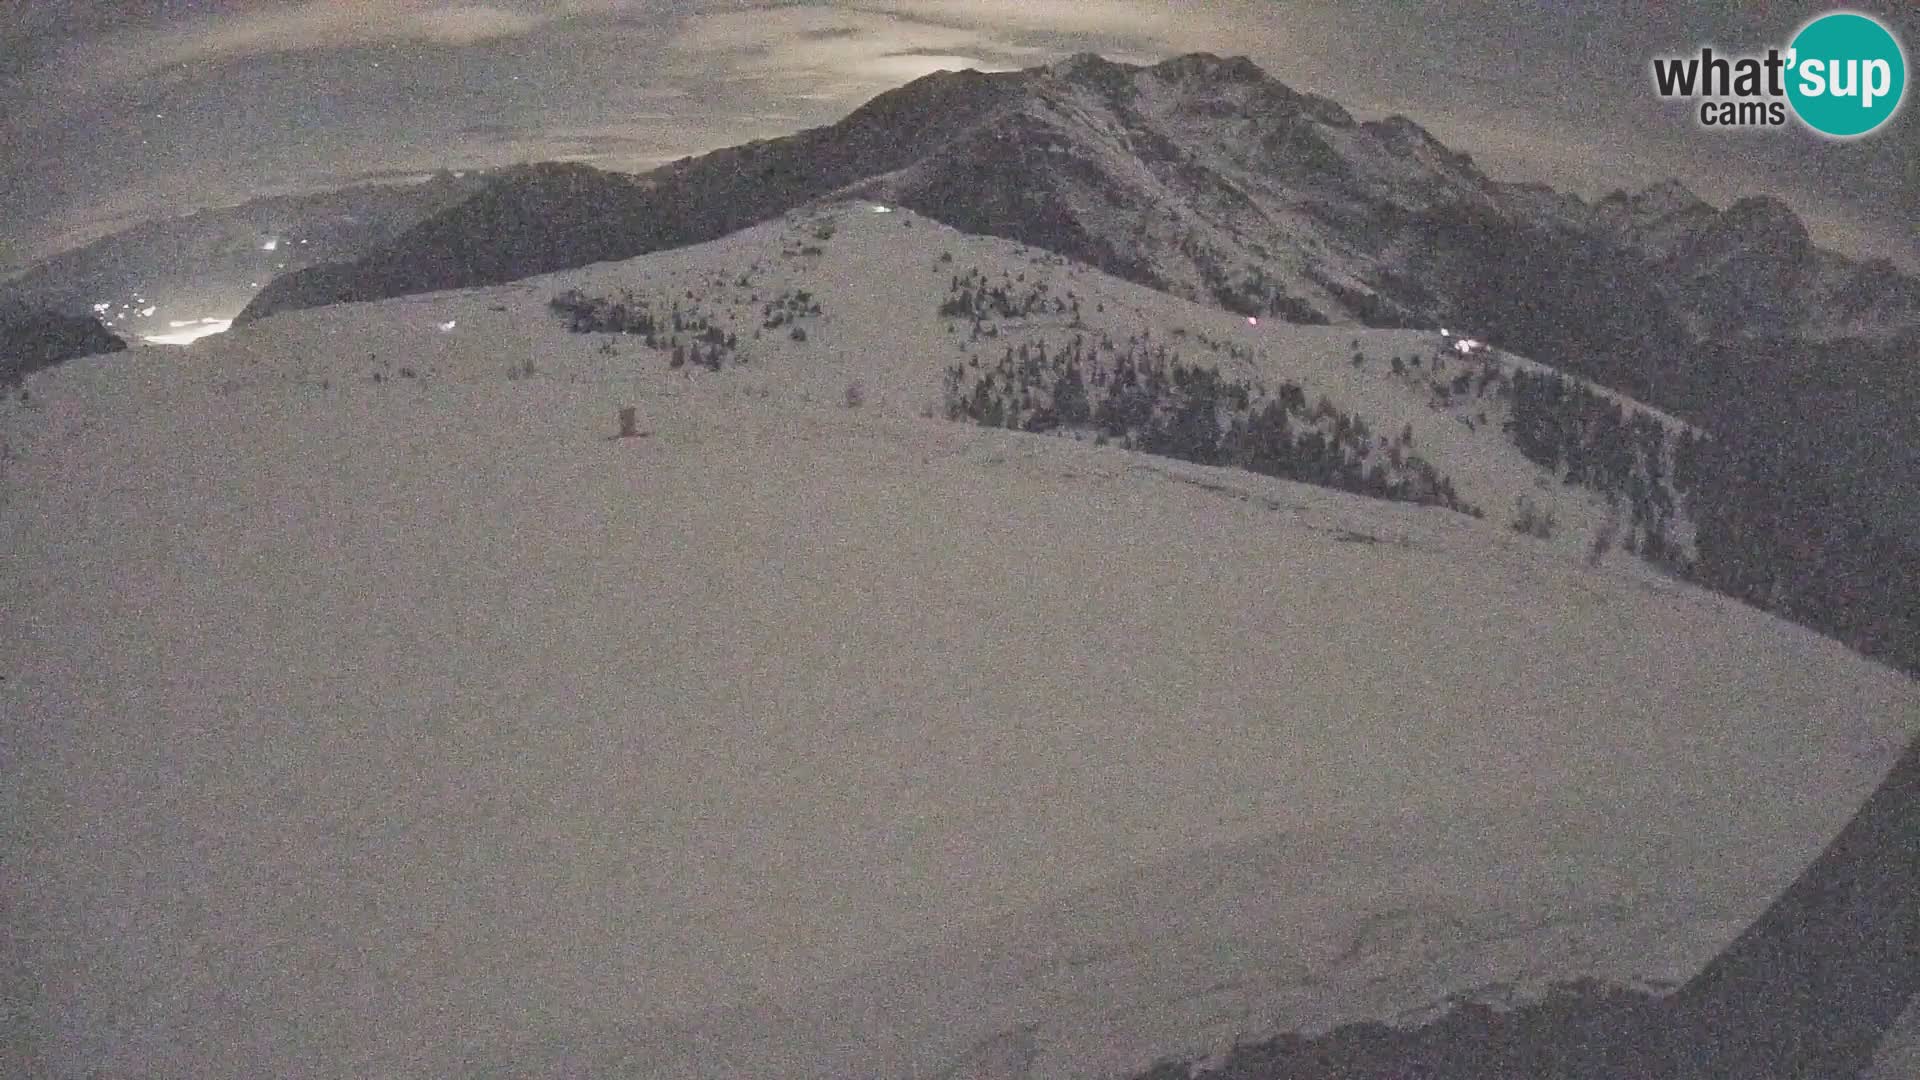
(370,711)
(879,277)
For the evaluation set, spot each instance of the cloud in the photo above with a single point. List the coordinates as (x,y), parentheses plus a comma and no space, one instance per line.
(860,47)
(1174,25)
(323,24)
(467,25)
(130,55)
(821,54)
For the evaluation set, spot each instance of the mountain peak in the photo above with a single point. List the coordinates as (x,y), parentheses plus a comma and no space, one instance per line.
(1666,197)
(1400,132)
(1657,218)
(1756,226)
(1090,69)
(1202,67)
(1241,84)
(1767,215)
(1209,66)
(1653,201)
(1198,175)
(1082,63)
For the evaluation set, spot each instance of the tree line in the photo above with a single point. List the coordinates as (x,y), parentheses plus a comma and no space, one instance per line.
(1768,531)
(1590,439)
(1148,399)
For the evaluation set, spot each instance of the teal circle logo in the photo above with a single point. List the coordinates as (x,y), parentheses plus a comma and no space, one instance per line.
(1846,74)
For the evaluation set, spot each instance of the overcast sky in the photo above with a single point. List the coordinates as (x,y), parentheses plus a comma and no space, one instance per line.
(112,111)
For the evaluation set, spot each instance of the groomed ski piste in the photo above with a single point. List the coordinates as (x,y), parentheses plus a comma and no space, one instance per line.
(414,726)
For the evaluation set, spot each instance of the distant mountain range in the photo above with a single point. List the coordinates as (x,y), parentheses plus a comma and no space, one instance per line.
(31,339)
(1200,176)
(1206,178)
(209,263)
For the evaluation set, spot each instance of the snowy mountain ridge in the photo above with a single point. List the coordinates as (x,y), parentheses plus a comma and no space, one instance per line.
(1202,177)
(1198,175)
(973,310)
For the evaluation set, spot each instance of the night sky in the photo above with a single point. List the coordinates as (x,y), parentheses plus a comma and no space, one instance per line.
(113,111)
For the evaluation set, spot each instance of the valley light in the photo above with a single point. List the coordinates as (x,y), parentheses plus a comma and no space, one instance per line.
(883,209)
(197,331)
(147,312)
(271,245)
(103,307)
(1251,321)
(448,325)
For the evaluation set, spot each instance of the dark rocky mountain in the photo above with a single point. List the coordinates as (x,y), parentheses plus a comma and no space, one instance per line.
(546,217)
(1655,221)
(1199,175)
(32,339)
(1751,270)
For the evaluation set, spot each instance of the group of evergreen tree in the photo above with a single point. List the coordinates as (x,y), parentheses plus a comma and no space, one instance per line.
(1252,292)
(1147,399)
(1254,295)
(1772,534)
(970,295)
(1768,530)
(1780,522)
(789,307)
(1591,440)
(688,336)
(1464,386)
